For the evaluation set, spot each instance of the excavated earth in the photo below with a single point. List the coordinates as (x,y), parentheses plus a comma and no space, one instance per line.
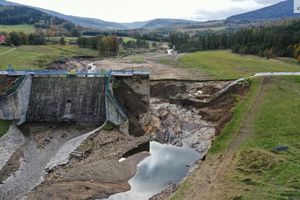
(96,174)
(181,112)
(185,112)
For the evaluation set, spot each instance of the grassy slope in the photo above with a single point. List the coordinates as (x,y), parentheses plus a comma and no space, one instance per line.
(276,123)
(22,27)
(256,172)
(4,127)
(127,39)
(227,65)
(35,57)
(239,113)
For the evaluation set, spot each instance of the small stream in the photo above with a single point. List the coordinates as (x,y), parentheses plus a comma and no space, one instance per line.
(167,165)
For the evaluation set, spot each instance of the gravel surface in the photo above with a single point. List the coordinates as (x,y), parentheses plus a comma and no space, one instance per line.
(35,159)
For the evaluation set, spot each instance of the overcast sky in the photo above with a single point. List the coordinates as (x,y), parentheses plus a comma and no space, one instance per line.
(140,10)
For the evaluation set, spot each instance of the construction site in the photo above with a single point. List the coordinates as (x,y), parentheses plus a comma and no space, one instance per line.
(90,135)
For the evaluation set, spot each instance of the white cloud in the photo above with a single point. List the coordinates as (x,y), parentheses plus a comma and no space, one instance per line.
(138,10)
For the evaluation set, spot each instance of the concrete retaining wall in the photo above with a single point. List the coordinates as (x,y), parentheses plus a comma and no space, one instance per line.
(114,113)
(78,99)
(67,99)
(14,107)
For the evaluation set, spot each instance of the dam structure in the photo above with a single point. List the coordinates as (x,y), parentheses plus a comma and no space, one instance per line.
(66,96)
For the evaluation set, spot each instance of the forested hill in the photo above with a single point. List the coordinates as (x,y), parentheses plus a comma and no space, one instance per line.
(272,41)
(280,10)
(13,15)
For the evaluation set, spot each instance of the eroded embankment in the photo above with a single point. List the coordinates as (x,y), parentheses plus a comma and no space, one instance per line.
(181,112)
(97,173)
(37,144)
(190,112)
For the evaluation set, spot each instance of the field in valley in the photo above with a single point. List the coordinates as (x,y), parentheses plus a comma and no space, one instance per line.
(26,28)
(56,40)
(227,65)
(38,57)
(127,39)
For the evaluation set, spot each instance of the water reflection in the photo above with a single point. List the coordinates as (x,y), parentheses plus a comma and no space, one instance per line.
(167,164)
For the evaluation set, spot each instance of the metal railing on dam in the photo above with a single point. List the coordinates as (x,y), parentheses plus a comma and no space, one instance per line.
(101,73)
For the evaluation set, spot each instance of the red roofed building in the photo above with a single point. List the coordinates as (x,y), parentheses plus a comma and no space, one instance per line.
(2,39)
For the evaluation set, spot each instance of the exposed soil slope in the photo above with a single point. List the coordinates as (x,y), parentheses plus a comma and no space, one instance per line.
(96,174)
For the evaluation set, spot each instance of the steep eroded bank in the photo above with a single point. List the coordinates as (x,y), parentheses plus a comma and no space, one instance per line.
(188,112)
(26,165)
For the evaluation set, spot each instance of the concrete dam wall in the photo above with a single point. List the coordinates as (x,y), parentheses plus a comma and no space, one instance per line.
(77,99)
(67,99)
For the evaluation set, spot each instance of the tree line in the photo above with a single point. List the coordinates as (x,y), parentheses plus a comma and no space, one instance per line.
(21,38)
(105,44)
(135,44)
(272,41)
(110,43)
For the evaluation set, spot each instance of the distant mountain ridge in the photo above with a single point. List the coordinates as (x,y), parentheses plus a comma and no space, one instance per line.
(105,25)
(162,22)
(284,9)
(86,22)
(280,10)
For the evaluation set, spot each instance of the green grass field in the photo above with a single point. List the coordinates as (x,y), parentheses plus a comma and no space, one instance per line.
(239,113)
(276,123)
(127,39)
(37,57)
(227,65)
(57,39)
(256,171)
(4,49)
(26,28)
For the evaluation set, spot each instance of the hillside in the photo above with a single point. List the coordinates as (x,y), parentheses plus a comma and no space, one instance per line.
(20,15)
(80,21)
(135,25)
(158,23)
(280,10)
(86,22)
(13,15)
(105,25)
